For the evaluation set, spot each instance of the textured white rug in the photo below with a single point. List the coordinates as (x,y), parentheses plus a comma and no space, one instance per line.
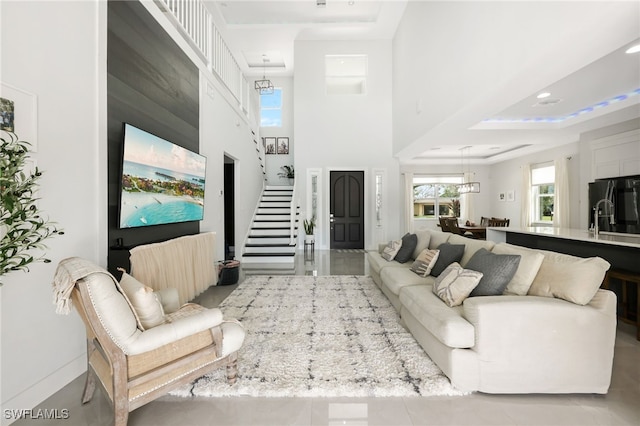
(328,336)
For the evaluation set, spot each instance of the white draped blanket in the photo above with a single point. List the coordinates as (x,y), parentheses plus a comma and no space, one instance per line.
(331,336)
(186,263)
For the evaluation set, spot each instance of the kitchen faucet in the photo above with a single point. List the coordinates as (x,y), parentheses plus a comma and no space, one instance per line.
(596,215)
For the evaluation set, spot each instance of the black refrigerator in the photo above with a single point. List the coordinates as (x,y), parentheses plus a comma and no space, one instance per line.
(621,213)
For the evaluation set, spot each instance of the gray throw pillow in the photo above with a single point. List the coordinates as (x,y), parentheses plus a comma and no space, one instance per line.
(409,242)
(449,253)
(497,271)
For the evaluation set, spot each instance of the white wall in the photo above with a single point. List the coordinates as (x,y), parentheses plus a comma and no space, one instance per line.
(489,55)
(346,132)
(274,162)
(225,131)
(55,50)
(507,176)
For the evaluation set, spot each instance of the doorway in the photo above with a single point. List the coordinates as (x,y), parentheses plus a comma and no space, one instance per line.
(346,227)
(229,208)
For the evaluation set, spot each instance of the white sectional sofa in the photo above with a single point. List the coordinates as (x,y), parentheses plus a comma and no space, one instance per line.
(555,336)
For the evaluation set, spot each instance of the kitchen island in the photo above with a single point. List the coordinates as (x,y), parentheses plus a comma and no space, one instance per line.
(622,251)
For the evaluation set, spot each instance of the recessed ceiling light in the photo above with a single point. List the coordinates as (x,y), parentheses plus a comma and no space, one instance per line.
(543,95)
(633,49)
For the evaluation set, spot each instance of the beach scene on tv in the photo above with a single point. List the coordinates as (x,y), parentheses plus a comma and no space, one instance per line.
(161,181)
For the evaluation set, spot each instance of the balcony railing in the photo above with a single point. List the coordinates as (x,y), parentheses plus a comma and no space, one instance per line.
(197,24)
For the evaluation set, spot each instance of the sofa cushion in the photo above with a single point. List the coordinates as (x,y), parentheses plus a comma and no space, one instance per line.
(567,277)
(437,238)
(471,246)
(449,253)
(455,284)
(143,300)
(424,262)
(424,237)
(530,261)
(497,270)
(397,278)
(377,262)
(409,242)
(391,250)
(445,323)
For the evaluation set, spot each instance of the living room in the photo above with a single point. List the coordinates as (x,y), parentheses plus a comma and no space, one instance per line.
(57,51)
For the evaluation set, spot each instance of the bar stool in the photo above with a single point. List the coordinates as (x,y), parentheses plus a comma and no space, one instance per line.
(628,279)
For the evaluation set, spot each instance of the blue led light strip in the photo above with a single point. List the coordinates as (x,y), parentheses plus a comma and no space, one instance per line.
(586,110)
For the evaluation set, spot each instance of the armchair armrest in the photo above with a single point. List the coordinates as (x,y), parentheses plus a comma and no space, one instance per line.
(164,334)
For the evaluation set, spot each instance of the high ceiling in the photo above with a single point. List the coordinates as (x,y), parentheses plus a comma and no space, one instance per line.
(261,34)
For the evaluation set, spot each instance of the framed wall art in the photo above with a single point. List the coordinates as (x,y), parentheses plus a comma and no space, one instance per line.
(283,145)
(19,113)
(270,145)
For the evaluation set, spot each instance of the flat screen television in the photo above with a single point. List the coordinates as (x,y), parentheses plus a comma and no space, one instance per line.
(161,182)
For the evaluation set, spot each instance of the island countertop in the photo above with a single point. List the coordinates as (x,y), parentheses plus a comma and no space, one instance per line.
(616,239)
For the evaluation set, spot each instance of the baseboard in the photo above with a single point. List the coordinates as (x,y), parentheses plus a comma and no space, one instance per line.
(39,392)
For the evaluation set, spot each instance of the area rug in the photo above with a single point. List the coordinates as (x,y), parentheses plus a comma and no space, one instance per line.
(327,336)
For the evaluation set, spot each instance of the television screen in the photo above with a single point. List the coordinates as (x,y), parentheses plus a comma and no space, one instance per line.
(161,181)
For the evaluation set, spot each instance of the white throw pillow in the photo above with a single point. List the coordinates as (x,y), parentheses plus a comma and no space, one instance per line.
(144,301)
(567,277)
(455,284)
(530,261)
(424,262)
(391,250)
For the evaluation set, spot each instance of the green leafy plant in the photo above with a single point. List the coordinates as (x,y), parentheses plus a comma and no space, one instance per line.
(287,172)
(22,227)
(309,225)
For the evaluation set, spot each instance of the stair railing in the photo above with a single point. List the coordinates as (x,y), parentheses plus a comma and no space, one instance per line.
(294,210)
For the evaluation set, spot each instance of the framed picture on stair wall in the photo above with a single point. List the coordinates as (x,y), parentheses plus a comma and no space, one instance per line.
(270,145)
(283,145)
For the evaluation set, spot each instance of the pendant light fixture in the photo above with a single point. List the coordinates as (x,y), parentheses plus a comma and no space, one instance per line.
(264,86)
(467,187)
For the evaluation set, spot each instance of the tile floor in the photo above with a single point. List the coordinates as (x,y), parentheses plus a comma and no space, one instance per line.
(621,406)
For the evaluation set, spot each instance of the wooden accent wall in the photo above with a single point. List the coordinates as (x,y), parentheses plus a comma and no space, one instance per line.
(154,86)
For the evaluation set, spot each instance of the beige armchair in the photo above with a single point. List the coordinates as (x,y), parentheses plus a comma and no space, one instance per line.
(133,366)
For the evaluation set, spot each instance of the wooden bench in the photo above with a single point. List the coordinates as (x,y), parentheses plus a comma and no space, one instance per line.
(628,280)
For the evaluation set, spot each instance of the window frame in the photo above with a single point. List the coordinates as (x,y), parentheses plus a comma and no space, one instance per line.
(279,108)
(537,216)
(438,181)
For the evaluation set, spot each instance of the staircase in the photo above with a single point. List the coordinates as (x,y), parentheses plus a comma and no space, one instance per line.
(269,244)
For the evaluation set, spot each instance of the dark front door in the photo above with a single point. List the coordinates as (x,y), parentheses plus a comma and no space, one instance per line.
(347,210)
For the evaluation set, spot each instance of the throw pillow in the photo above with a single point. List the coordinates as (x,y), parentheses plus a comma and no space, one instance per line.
(409,242)
(424,262)
(144,301)
(449,253)
(455,284)
(528,268)
(391,250)
(497,270)
(569,277)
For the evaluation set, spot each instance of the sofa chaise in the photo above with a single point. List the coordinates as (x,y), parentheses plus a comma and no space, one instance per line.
(551,330)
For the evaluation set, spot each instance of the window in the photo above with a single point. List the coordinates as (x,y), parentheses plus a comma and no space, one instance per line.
(435,196)
(271,109)
(543,193)
(346,74)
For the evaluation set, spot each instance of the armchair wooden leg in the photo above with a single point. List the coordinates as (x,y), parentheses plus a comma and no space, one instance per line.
(232,369)
(89,387)
(90,382)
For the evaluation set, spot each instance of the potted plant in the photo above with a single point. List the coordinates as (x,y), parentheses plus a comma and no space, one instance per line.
(22,226)
(309,226)
(287,173)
